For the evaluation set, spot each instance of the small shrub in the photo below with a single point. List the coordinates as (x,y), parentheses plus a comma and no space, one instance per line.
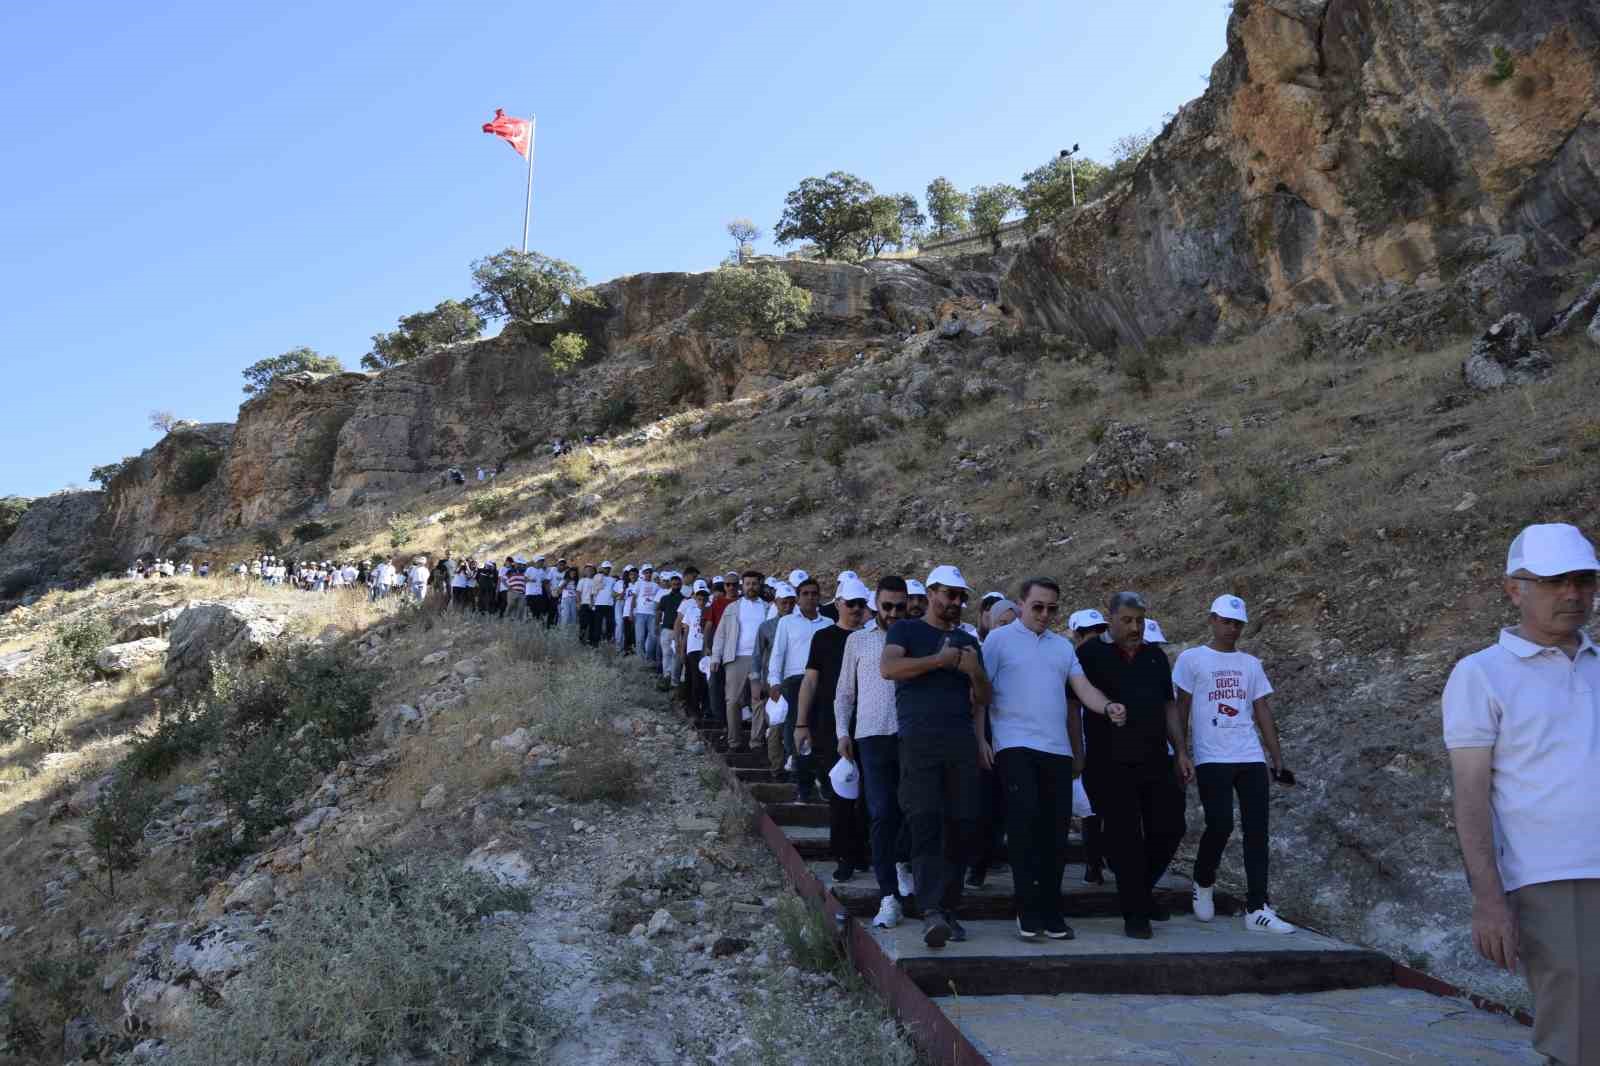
(12,508)
(1143,367)
(196,468)
(1394,181)
(116,830)
(1505,65)
(683,385)
(662,480)
(619,412)
(187,733)
(597,772)
(1097,432)
(567,351)
(80,641)
(396,963)
(35,704)
(577,469)
(48,992)
(489,506)
(1266,497)
(400,527)
(808,936)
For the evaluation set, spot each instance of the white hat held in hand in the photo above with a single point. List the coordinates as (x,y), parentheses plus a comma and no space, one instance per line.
(846,780)
(948,576)
(1550,549)
(1229,607)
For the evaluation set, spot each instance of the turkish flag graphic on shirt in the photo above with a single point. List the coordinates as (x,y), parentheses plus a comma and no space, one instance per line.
(1231,712)
(517,132)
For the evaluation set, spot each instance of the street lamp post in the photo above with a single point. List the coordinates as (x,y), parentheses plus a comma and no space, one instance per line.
(1072,170)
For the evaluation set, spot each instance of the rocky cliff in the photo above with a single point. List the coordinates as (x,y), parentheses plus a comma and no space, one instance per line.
(1427,165)
(1344,152)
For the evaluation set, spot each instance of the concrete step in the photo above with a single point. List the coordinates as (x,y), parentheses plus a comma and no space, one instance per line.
(1186,957)
(746,760)
(772,792)
(756,776)
(993,901)
(808,814)
(1366,1025)
(809,848)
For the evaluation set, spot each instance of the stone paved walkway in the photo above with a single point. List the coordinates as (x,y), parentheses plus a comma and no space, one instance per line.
(1369,1027)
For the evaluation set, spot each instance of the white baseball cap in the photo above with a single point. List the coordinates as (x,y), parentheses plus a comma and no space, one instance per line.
(1152,632)
(783,591)
(872,601)
(700,586)
(853,588)
(797,576)
(915,588)
(1229,607)
(846,780)
(948,576)
(770,582)
(1550,549)
(1086,619)
(987,596)
(647,566)
(606,565)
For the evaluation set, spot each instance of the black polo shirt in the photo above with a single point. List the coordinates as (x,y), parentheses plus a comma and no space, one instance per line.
(827,659)
(1142,685)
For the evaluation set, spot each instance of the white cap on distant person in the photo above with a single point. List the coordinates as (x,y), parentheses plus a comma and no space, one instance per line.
(915,588)
(853,588)
(949,577)
(606,565)
(1086,619)
(700,586)
(783,591)
(989,598)
(647,568)
(1550,549)
(1229,607)
(1152,632)
(797,576)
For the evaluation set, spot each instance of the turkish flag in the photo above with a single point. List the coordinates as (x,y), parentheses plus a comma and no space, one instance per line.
(517,132)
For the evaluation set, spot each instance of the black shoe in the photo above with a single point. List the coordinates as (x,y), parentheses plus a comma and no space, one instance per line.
(1137,928)
(1093,875)
(935,930)
(843,872)
(1056,929)
(1027,928)
(976,878)
(958,932)
(1159,913)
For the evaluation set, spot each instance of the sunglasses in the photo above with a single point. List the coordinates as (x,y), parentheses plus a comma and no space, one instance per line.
(891,608)
(960,597)
(856,605)
(1047,608)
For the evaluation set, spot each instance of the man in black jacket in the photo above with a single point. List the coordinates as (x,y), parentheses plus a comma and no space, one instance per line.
(1131,778)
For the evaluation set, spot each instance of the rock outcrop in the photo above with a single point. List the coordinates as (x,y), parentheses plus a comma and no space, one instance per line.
(121,658)
(1505,355)
(170,491)
(49,541)
(235,629)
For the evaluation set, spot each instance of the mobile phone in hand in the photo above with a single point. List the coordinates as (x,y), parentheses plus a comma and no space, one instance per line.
(1283,777)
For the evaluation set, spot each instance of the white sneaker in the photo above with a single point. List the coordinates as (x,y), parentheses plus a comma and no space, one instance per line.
(1205,906)
(889,913)
(908,884)
(788,764)
(1266,920)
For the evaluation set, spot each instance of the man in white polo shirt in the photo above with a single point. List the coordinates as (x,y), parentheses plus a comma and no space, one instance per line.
(1030,668)
(786,667)
(1522,722)
(1222,700)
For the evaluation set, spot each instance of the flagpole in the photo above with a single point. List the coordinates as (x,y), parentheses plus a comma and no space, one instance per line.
(527,206)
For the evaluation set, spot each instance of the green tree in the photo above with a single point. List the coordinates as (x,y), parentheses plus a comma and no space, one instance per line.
(912,220)
(947,207)
(108,473)
(990,206)
(527,287)
(1047,194)
(12,508)
(259,375)
(744,233)
(567,350)
(883,226)
(420,334)
(831,212)
(762,301)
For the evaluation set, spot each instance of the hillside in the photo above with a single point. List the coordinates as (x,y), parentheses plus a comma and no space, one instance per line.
(1246,369)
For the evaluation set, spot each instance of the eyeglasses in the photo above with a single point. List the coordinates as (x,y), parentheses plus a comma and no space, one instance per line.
(856,605)
(955,594)
(1581,579)
(1047,608)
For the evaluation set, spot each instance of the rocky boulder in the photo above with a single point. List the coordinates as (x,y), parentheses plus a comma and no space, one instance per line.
(1505,355)
(237,629)
(123,658)
(50,541)
(1584,310)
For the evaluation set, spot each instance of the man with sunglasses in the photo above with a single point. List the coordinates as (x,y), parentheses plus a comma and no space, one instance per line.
(868,731)
(916,599)
(1032,669)
(1522,723)
(786,666)
(814,726)
(938,673)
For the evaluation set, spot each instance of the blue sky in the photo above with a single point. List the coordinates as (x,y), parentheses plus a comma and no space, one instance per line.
(190,187)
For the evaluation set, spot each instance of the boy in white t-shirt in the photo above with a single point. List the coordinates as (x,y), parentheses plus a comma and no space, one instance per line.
(1222,700)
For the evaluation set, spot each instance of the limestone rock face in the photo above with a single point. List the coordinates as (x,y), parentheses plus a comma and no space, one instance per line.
(152,503)
(1505,355)
(49,540)
(284,447)
(1343,149)
(237,629)
(121,658)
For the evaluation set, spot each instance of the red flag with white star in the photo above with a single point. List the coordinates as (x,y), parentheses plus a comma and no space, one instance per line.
(517,132)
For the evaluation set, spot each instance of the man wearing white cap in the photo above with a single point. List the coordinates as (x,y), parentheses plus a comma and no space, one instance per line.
(939,677)
(816,728)
(1084,626)
(645,592)
(782,604)
(1222,701)
(605,598)
(1522,722)
(786,666)
(916,599)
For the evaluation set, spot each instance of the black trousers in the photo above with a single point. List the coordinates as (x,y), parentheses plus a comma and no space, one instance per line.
(879,759)
(1094,853)
(628,636)
(486,597)
(585,623)
(847,818)
(939,797)
(605,616)
(1143,808)
(1218,783)
(1038,789)
(992,823)
(694,684)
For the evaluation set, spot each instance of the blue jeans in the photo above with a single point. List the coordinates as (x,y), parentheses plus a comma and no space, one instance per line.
(644,630)
(879,759)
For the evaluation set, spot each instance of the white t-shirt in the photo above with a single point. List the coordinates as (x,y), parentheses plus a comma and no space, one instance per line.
(690,614)
(586,591)
(553,578)
(1539,712)
(1222,717)
(629,597)
(605,590)
(751,614)
(645,593)
(419,575)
